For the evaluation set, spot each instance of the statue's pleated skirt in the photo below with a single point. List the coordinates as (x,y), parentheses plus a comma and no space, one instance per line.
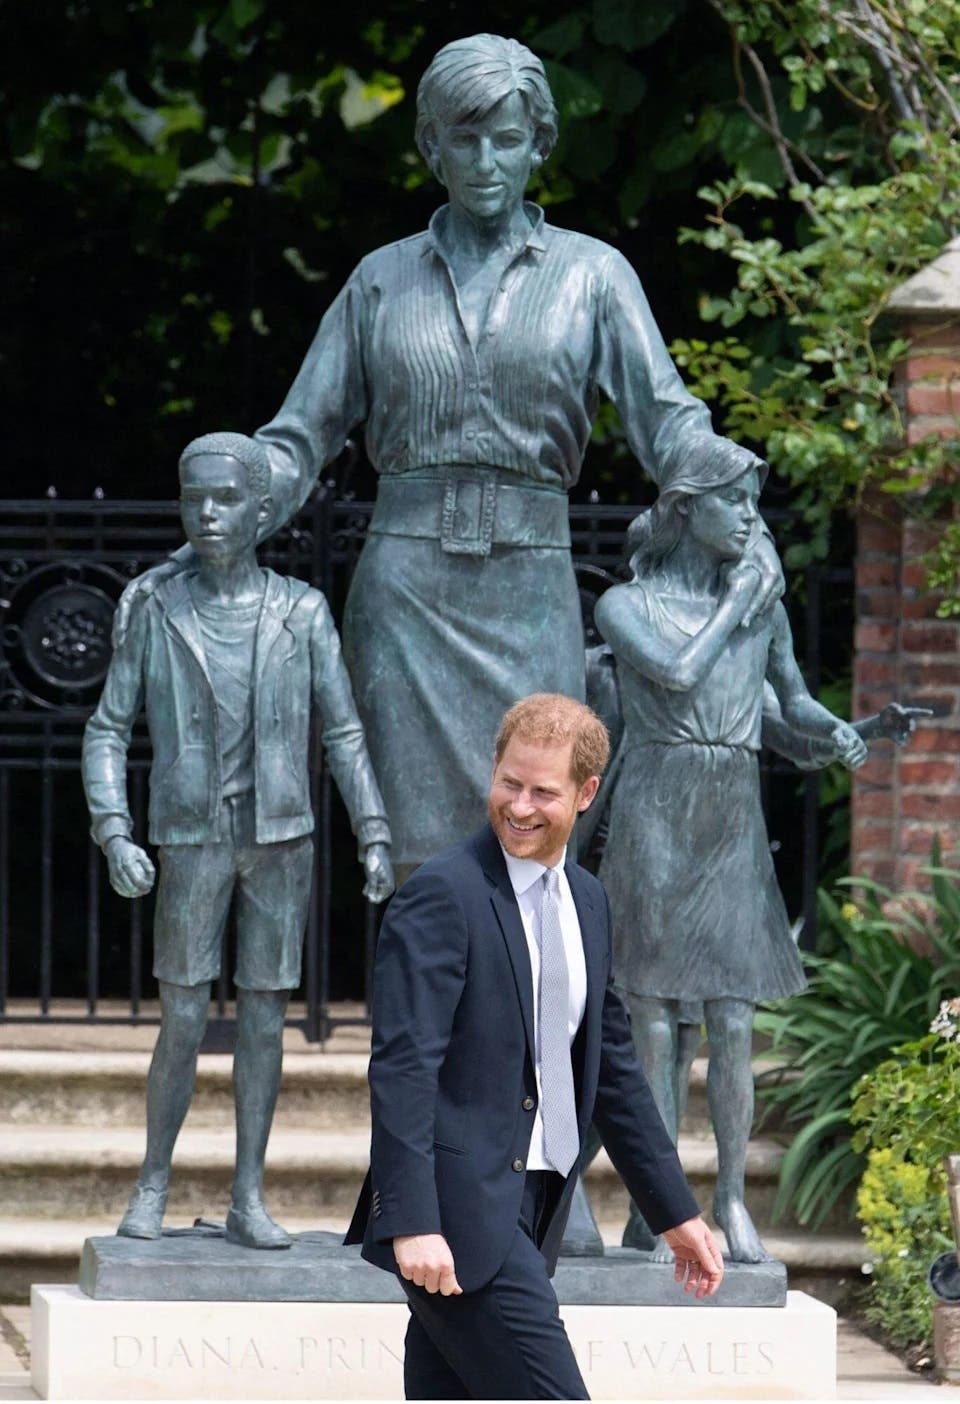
(438,646)
(696,907)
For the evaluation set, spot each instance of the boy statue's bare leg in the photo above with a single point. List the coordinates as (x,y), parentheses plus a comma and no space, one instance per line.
(730,1094)
(170,1083)
(256,1084)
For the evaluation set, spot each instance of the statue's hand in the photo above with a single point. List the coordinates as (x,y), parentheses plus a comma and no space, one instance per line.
(140,588)
(379,872)
(763,555)
(744,580)
(131,872)
(898,723)
(851,749)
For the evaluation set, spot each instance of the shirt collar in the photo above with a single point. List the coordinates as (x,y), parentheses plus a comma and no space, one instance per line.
(535,239)
(524,872)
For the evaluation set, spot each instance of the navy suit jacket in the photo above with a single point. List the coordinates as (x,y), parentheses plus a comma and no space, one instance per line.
(452,1079)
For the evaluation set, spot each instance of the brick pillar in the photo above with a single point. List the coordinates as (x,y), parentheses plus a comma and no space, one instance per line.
(902,798)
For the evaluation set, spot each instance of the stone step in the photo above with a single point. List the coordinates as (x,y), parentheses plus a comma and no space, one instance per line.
(72,1172)
(48,1250)
(327,1091)
(324,1090)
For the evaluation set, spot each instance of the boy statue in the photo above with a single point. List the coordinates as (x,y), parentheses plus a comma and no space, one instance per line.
(228,660)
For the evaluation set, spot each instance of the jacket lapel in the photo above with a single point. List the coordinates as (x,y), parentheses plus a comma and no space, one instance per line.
(593,936)
(174,595)
(504,903)
(273,615)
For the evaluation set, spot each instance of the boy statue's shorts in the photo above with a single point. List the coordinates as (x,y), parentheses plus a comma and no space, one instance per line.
(272,885)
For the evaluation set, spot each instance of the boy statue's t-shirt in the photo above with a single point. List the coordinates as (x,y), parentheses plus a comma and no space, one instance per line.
(229,635)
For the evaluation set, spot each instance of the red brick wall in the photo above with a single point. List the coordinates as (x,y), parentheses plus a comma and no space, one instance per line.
(902,798)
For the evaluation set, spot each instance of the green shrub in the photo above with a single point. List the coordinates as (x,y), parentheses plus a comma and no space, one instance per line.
(871,994)
(907,1115)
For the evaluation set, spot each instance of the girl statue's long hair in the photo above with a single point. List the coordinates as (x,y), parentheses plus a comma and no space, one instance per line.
(707,463)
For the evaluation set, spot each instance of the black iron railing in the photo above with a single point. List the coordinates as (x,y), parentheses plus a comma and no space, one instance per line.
(64,935)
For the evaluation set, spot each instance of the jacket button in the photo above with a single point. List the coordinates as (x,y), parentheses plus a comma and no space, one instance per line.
(528,1104)
(518,1165)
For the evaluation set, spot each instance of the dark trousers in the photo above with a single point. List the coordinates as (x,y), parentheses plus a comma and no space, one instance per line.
(505,1341)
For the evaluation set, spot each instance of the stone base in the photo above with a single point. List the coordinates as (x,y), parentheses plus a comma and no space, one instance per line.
(946,1340)
(203,1266)
(93,1349)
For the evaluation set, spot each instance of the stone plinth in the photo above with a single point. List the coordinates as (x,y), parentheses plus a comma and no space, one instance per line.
(318,1268)
(89,1349)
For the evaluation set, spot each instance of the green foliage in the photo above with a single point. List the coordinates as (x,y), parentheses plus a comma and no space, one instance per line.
(907,1114)
(906,1224)
(885,969)
(821,235)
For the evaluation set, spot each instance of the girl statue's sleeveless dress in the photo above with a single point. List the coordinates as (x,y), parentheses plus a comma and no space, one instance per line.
(696,907)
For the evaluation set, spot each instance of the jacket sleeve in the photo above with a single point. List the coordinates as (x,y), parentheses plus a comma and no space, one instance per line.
(342,735)
(106,736)
(631,1128)
(327,399)
(419,973)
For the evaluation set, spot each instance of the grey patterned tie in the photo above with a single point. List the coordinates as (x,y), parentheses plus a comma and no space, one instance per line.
(557,1102)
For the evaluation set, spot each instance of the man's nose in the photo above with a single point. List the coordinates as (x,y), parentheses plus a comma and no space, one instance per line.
(522,803)
(207,510)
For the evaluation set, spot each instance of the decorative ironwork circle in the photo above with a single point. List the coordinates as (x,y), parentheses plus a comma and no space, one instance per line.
(65,635)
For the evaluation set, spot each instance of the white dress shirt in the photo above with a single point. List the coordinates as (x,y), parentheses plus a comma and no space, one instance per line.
(525,878)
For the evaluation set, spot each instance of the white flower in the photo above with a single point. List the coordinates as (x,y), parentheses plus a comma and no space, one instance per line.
(866,1269)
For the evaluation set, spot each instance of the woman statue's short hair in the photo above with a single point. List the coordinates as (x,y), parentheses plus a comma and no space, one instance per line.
(467,78)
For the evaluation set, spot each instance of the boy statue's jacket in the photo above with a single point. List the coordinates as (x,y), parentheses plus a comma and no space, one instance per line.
(161,664)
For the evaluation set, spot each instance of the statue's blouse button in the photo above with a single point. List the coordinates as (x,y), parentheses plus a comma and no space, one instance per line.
(528,1104)
(517,1165)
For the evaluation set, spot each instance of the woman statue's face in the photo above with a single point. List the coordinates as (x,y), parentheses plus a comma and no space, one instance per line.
(486,164)
(722,520)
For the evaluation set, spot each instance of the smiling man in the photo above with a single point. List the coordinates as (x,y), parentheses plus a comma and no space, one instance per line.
(497,1038)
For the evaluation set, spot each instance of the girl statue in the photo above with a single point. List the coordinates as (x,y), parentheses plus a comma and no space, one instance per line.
(696,908)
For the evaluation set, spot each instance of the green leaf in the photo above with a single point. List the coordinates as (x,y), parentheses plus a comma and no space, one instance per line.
(575,96)
(244,12)
(633,24)
(561,38)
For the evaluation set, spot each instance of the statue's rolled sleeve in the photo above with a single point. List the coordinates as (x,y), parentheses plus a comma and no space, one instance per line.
(106,737)
(327,399)
(343,736)
(636,371)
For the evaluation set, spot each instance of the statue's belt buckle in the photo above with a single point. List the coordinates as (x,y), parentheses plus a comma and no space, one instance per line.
(469,508)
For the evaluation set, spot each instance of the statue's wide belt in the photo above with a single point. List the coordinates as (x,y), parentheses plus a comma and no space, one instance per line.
(470,510)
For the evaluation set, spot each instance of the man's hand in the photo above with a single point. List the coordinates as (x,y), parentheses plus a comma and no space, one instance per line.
(762,553)
(141,587)
(425,1260)
(379,871)
(131,872)
(698,1262)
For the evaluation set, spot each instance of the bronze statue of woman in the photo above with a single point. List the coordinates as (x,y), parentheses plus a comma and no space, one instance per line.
(474,354)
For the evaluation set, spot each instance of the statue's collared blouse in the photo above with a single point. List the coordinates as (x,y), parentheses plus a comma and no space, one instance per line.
(569,319)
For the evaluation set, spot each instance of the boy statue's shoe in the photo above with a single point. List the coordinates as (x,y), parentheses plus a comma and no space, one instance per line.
(251,1225)
(144,1216)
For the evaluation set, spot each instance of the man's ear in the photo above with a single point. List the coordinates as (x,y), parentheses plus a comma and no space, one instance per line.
(265,510)
(588,793)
